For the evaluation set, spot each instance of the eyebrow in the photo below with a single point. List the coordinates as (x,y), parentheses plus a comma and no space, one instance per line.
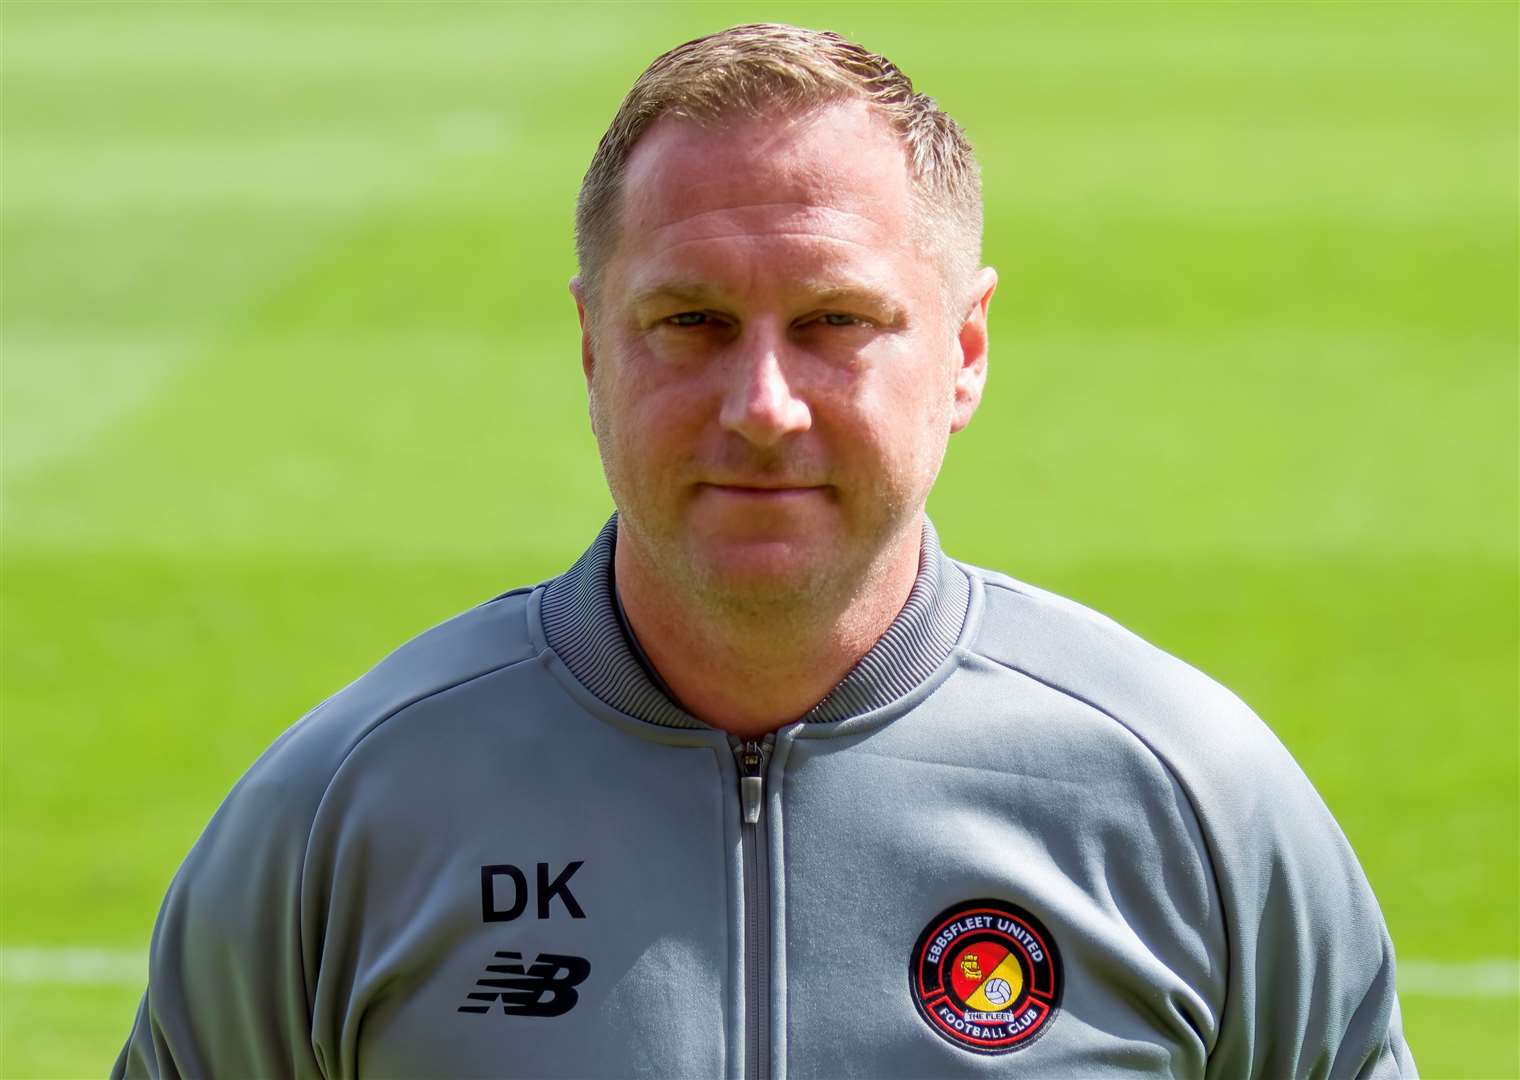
(823,294)
(686,292)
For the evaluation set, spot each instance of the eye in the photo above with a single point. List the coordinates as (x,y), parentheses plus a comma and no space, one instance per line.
(689,318)
(839,318)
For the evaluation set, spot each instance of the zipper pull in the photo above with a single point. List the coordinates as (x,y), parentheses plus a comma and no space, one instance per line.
(751,757)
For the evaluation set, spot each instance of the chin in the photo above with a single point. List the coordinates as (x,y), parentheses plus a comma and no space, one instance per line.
(773,570)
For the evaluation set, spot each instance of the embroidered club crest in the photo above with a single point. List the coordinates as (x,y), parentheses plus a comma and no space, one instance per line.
(986,976)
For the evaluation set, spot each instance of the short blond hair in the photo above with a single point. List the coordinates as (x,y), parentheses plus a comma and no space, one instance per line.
(766,68)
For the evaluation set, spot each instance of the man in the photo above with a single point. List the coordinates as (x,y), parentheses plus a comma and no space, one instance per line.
(766,784)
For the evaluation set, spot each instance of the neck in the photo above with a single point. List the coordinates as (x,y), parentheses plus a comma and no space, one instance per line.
(748,670)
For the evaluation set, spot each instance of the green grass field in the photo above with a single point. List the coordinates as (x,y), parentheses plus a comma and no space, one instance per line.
(290,373)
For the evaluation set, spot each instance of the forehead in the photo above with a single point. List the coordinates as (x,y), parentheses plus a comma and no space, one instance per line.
(827,189)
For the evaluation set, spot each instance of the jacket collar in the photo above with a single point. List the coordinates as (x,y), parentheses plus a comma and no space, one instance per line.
(583,626)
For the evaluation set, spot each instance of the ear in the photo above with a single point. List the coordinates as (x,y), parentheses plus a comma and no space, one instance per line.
(588,359)
(971,350)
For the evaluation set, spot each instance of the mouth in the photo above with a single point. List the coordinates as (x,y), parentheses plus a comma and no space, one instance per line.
(762,492)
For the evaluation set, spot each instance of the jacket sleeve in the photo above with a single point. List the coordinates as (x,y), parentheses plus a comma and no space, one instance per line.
(1311,986)
(228,988)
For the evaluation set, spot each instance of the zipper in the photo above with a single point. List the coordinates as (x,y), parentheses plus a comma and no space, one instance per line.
(754,854)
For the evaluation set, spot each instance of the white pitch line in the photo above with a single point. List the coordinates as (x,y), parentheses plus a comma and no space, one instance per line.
(34,965)
(1480,979)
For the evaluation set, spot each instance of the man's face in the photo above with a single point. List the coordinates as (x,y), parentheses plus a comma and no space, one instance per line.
(772,368)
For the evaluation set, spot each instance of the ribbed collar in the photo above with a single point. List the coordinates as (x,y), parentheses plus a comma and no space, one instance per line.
(582,626)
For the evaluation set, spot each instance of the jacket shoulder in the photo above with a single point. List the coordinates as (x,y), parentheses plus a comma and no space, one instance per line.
(274,803)
(1235,772)
(486,638)
(1185,717)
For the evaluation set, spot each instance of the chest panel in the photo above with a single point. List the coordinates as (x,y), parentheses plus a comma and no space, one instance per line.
(551,899)
(942,870)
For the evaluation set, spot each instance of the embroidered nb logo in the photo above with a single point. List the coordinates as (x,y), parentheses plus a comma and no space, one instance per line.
(544,988)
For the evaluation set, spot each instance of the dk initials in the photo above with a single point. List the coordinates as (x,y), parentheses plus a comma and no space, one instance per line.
(504,891)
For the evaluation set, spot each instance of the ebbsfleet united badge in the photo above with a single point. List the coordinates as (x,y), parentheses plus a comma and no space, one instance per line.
(986,976)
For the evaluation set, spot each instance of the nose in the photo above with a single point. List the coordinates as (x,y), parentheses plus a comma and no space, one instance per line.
(760,403)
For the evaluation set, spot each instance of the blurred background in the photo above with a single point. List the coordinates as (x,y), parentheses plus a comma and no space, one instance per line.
(291,373)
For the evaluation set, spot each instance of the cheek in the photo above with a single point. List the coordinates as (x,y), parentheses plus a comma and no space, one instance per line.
(642,424)
(912,415)
(912,393)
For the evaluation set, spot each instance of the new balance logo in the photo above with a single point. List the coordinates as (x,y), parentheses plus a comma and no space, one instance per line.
(544,988)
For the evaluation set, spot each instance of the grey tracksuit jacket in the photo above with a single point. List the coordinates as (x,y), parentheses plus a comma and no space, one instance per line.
(1016,839)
